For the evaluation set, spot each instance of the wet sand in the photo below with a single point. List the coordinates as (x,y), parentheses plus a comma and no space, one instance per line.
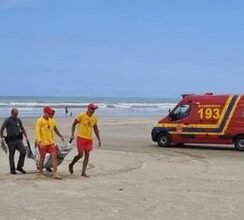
(131,178)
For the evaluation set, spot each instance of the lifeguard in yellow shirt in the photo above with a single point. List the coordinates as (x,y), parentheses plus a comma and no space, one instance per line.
(44,133)
(87,122)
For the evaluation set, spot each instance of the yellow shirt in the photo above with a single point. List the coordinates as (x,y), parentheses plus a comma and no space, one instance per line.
(53,125)
(86,124)
(44,131)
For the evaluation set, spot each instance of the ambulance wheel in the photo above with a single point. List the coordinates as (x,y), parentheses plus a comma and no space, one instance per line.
(164,140)
(239,143)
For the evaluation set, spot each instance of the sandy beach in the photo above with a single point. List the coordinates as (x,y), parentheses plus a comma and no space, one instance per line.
(131,178)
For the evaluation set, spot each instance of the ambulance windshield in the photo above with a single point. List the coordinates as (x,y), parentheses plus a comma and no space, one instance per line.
(182,111)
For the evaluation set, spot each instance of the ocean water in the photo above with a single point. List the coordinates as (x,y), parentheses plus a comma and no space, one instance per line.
(108,107)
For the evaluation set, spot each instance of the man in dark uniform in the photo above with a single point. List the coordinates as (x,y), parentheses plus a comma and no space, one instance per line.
(15,132)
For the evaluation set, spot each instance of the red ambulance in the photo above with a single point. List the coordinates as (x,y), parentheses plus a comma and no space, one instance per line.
(205,119)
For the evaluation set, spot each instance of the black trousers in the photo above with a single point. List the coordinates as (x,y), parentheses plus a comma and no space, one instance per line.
(19,146)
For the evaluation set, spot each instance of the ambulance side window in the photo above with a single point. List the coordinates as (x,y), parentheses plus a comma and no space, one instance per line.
(182,111)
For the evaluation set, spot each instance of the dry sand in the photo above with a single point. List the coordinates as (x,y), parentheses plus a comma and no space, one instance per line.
(131,178)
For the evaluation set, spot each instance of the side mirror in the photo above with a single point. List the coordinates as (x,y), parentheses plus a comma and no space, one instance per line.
(170,115)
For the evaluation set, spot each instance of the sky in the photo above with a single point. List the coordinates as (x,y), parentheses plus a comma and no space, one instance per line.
(126,48)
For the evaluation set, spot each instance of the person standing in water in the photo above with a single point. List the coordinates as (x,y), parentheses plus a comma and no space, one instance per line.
(66,111)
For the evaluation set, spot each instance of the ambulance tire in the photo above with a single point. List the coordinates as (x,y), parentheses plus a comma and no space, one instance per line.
(164,140)
(239,143)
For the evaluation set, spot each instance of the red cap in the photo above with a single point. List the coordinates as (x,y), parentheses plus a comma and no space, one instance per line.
(92,106)
(48,110)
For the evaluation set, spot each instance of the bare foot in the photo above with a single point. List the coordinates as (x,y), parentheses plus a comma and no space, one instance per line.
(85,175)
(57,177)
(41,175)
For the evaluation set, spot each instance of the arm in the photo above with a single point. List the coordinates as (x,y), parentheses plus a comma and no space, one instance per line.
(25,134)
(38,132)
(96,130)
(58,133)
(73,128)
(2,129)
(23,131)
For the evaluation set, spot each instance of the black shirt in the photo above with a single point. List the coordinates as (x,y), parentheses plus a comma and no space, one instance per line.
(14,126)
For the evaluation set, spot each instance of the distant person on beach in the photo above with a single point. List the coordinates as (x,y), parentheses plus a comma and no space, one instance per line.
(66,111)
(87,122)
(44,132)
(14,139)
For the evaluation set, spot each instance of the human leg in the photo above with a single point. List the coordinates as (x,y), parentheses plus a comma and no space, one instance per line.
(12,149)
(55,165)
(75,159)
(85,162)
(88,145)
(22,152)
(80,149)
(42,152)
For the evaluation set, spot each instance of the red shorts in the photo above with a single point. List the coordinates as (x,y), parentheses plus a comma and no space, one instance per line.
(51,148)
(84,144)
